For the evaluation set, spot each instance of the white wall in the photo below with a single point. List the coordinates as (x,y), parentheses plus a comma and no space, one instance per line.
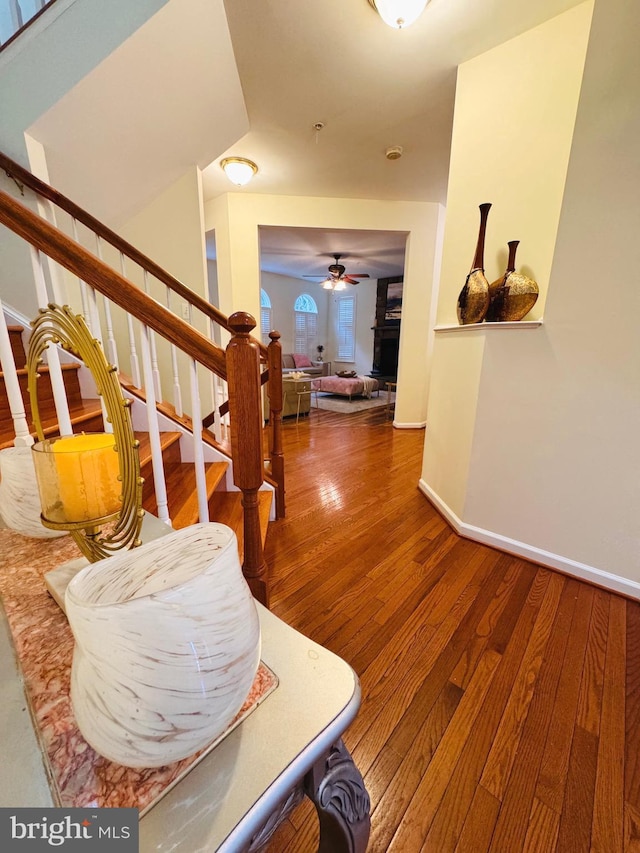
(57,51)
(236,218)
(553,458)
(170,231)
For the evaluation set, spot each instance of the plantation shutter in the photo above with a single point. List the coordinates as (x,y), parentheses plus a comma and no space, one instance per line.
(301,332)
(265,316)
(306,323)
(346,328)
(265,324)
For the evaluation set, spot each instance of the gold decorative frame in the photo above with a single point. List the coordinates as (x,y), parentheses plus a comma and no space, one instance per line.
(59,325)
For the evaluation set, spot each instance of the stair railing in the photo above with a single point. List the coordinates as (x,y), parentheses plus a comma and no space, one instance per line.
(17,16)
(133,265)
(239,366)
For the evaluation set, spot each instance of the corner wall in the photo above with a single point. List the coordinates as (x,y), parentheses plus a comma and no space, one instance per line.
(236,218)
(550,441)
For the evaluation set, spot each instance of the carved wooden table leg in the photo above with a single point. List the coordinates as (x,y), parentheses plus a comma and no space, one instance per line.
(335,786)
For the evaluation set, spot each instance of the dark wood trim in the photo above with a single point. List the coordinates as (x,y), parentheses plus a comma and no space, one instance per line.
(24,176)
(26,26)
(39,233)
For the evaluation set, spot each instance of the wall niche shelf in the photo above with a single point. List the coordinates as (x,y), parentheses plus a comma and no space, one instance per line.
(515,324)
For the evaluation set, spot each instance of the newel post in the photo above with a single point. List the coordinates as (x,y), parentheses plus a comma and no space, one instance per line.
(245,413)
(274,390)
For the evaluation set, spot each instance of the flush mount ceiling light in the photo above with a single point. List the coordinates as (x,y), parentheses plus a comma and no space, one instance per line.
(238,170)
(399,13)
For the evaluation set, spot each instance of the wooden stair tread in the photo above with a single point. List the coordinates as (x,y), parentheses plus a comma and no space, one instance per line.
(180,481)
(43,369)
(79,413)
(144,446)
(226,507)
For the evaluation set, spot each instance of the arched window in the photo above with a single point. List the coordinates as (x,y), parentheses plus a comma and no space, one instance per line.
(265,316)
(306,323)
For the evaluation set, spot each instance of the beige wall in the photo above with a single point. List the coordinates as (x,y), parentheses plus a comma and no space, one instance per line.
(237,216)
(513,124)
(551,464)
(283,290)
(365,293)
(170,231)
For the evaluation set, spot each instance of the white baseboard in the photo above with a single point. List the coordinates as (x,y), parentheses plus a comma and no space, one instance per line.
(614,583)
(398,425)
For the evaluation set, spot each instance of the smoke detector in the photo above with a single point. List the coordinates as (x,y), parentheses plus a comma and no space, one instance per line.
(394,152)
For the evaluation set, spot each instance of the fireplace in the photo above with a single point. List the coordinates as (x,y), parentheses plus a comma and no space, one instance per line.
(386,331)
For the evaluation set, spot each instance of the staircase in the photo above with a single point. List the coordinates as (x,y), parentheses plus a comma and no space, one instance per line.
(86,416)
(79,261)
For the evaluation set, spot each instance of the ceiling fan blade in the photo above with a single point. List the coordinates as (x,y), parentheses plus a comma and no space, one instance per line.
(321,277)
(349,279)
(359,275)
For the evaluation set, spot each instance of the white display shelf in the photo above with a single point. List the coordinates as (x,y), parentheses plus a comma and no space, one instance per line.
(515,324)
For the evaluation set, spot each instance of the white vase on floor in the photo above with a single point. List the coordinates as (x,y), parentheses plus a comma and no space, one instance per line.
(167,646)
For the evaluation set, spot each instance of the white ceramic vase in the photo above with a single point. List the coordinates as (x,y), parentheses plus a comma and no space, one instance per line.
(19,496)
(167,646)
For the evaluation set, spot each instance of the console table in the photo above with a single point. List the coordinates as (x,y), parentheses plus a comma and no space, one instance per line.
(233,801)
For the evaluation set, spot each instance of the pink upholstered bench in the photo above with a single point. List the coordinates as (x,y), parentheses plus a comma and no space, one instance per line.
(357,386)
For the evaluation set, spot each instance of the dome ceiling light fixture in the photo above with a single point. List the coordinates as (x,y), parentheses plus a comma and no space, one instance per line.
(399,13)
(238,170)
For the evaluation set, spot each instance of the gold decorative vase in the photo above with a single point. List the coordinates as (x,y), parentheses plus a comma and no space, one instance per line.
(473,301)
(512,295)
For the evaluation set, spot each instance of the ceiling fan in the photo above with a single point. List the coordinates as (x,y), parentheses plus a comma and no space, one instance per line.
(337,276)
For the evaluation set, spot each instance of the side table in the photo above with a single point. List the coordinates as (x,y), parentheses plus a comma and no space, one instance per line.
(233,801)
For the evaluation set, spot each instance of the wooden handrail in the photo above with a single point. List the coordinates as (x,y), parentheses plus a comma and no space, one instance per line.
(39,233)
(31,20)
(24,176)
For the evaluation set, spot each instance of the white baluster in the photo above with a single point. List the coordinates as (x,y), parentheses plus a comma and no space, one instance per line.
(198,448)
(177,391)
(48,211)
(215,393)
(154,354)
(91,316)
(133,352)
(224,395)
(83,287)
(12,384)
(154,430)
(112,349)
(53,360)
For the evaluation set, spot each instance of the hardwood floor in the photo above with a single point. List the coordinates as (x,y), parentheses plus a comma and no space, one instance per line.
(501,700)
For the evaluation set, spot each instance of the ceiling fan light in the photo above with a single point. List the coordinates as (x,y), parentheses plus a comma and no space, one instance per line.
(340,285)
(327,284)
(399,13)
(238,170)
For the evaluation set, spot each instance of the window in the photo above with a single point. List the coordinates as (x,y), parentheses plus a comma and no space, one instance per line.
(265,316)
(346,328)
(306,323)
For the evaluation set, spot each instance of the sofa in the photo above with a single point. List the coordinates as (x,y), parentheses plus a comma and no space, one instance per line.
(297,361)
